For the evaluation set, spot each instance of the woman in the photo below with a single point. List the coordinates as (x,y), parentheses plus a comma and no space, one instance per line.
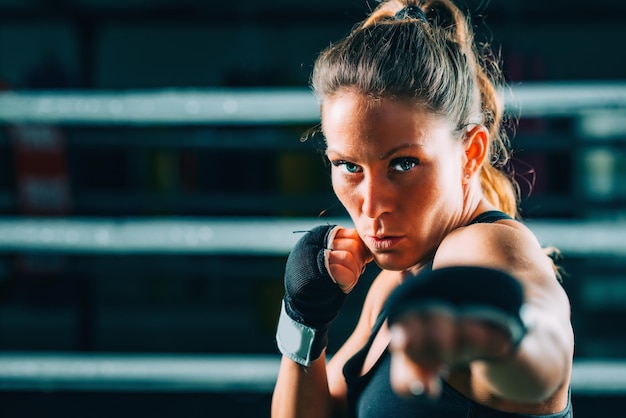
(467,317)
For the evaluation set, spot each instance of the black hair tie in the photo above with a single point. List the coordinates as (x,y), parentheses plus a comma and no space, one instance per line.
(413,12)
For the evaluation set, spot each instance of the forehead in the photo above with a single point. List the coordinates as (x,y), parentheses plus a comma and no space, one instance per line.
(351,119)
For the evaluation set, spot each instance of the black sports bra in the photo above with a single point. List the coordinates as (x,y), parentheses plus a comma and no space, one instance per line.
(489,217)
(371,395)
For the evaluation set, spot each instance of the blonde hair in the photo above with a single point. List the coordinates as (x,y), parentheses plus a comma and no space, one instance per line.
(430,60)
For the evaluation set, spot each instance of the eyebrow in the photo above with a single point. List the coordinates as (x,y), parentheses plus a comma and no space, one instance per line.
(396,149)
(381,156)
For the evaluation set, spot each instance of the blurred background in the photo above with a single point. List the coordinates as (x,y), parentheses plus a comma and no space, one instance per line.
(152,174)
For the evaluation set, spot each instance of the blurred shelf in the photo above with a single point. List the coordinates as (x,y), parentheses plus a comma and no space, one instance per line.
(142,203)
(243,203)
(544,205)
(149,328)
(7,201)
(541,141)
(220,267)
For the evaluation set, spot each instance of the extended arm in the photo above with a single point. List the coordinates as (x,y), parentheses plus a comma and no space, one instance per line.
(536,370)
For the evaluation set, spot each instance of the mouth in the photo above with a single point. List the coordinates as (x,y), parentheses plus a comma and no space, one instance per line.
(382,243)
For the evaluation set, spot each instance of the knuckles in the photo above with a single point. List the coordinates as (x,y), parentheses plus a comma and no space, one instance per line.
(442,338)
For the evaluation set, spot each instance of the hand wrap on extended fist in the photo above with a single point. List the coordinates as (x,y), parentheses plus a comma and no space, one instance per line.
(479,293)
(450,317)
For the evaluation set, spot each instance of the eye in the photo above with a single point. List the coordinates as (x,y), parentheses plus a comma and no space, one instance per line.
(404,164)
(347,166)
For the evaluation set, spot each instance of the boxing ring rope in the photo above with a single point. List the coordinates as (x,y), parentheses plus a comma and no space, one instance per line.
(237,236)
(265,106)
(206,373)
(249,373)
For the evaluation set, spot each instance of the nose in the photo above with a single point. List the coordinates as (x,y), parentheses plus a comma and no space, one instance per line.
(377,196)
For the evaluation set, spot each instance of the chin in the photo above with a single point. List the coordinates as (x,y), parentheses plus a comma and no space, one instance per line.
(393,262)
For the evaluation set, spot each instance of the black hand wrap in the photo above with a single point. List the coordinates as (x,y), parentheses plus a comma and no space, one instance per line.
(475,292)
(312,298)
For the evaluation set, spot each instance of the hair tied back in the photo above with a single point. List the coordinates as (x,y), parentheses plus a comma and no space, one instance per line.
(413,12)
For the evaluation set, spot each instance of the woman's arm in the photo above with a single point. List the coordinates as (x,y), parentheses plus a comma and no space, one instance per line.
(303,390)
(320,390)
(542,362)
(329,394)
(539,366)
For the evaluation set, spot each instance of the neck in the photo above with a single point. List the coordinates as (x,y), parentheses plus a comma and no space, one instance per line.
(474,202)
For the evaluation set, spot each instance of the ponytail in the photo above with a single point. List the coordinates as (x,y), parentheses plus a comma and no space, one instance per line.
(496,175)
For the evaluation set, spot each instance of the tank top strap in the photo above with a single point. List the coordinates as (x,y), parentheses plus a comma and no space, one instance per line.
(382,317)
(489,217)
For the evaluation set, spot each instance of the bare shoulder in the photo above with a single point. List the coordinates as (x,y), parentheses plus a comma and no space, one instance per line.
(507,245)
(512,247)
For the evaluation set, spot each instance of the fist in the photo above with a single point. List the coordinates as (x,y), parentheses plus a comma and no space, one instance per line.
(450,317)
(346,258)
(425,346)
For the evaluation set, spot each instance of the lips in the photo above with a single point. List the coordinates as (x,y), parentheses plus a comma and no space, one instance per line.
(382,243)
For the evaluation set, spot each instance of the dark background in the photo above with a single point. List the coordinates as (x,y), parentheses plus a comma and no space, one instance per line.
(185,303)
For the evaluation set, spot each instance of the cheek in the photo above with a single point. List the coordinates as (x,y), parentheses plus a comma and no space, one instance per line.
(429,192)
(421,195)
(448,173)
(342,190)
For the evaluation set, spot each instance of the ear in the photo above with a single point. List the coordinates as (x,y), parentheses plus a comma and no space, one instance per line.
(476,149)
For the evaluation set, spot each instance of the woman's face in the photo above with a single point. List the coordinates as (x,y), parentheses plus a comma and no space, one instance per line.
(398,170)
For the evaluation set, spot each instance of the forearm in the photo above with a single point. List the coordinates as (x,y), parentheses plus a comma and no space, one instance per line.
(322,268)
(302,392)
(536,370)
